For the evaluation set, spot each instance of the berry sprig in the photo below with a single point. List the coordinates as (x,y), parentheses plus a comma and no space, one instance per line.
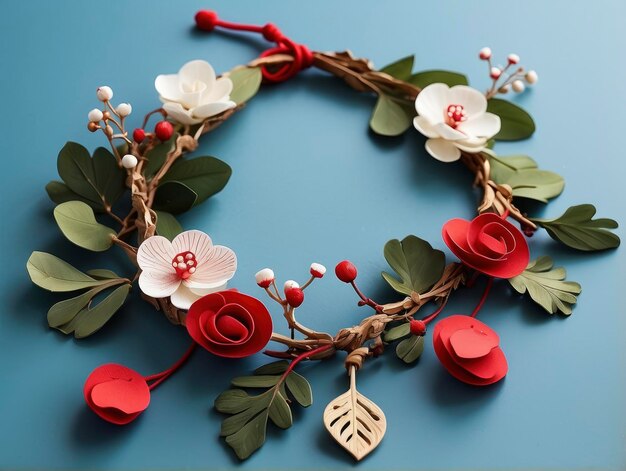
(510,76)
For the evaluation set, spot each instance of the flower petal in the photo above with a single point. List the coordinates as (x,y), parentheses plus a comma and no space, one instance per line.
(155,254)
(472,145)
(193,241)
(220,91)
(448,133)
(443,150)
(214,269)
(424,126)
(197,71)
(168,87)
(484,125)
(158,284)
(205,291)
(183,297)
(212,109)
(471,99)
(180,114)
(432,101)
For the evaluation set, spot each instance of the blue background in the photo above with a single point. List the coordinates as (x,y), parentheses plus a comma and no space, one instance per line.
(311,183)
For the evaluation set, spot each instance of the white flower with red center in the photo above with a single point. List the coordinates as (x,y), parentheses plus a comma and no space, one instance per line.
(454,119)
(194,93)
(186,268)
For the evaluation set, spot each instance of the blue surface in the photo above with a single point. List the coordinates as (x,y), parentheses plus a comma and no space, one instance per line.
(330,191)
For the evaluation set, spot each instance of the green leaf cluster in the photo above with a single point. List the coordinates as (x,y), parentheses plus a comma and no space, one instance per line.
(417,264)
(515,122)
(546,286)
(78,315)
(167,225)
(189,183)
(522,174)
(410,349)
(97,181)
(246,426)
(393,115)
(577,229)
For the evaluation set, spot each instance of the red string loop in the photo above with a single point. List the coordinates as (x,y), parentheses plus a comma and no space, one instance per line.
(302,57)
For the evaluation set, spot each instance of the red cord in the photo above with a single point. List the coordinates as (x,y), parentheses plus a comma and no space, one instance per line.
(302,57)
(483,298)
(158,378)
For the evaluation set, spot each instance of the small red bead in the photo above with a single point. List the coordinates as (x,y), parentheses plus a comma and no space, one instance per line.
(346,271)
(139,135)
(295,297)
(206,20)
(164,130)
(417,327)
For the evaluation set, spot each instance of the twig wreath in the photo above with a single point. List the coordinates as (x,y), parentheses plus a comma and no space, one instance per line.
(183,274)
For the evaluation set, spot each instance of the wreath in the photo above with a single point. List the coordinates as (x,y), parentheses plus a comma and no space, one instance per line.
(184,274)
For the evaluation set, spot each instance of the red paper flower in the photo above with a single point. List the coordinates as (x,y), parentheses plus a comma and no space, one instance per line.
(229,324)
(116,393)
(488,244)
(469,350)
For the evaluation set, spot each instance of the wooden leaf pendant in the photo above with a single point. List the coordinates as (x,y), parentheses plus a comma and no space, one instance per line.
(354,421)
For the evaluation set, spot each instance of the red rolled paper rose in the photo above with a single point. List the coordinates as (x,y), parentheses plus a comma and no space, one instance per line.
(229,324)
(116,393)
(489,244)
(469,350)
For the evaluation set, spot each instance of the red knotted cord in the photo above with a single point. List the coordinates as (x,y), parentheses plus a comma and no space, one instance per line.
(302,57)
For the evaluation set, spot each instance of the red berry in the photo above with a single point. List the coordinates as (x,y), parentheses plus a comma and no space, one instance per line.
(417,327)
(163,130)
(295,297)
(139,135)
(206,20)
(346,271)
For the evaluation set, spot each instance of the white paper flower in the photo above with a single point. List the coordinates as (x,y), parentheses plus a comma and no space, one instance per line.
(454,119)
(186,268)
(194,94)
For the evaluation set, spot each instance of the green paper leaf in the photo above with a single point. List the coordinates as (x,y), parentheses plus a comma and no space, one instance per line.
(515,123)
(409,350)
(78,223)
(250,437)
(52,273)
(300,389)
(577,229)
(257,381)
(418,265)
(397,332)
(279,412)
(205,176)
(158,155)
(400,69)
(232,401)
(546,286)
(427,77)
(103,274)
(246,83)
(167,225)
(59,193)
(174,197)
(520,172)
(390,118)
(64,311)
(90,320)
(98,180)
(274,368)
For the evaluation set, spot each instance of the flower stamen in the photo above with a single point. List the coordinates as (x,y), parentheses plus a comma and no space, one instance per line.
(185,264)
(455,114)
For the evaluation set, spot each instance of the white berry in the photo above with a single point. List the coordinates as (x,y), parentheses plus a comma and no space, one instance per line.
(124,109)
(485,53)
(95,115)
(518,86)
(264,277)
(129,161)
(513,58)
(290,284)
(495,73)
(318,270)
(531,77)
(104,93)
